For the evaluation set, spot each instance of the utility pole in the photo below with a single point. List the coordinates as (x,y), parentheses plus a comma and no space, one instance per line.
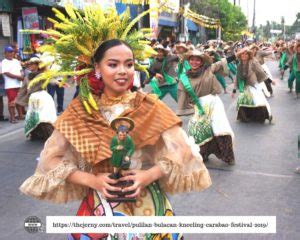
(181,32)
(283,26)
(254,12)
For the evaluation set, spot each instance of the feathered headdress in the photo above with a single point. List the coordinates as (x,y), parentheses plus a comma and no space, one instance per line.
(78,34)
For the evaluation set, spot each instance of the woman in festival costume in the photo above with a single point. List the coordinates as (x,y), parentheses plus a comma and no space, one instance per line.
(252,104)
(282,59)
(163,73)
(285,61)
(294,62)
(75,162)
(209,126)
(41,113)
(223,71)
(183,67)
(231,65)
(259,55)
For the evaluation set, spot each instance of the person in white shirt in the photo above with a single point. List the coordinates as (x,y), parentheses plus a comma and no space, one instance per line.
(2,94)
(13,77)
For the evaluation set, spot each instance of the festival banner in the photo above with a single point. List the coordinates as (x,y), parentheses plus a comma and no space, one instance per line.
(80,4)
(30,18)
(154,4)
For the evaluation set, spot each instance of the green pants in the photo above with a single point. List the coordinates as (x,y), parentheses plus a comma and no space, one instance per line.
(291,79)
(171,89)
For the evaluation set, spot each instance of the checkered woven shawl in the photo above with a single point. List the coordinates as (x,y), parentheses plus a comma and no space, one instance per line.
(91,134)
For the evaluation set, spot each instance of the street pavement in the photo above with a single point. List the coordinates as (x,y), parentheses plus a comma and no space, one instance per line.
(262,183)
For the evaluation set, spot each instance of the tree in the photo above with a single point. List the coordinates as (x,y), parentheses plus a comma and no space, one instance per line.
(232,19)
(296,25)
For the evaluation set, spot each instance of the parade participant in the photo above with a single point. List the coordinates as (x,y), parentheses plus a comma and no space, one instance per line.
(160,145)
(231,65)
(285,60)
(55,87)
(32,69)
(163,73)
(2,94)
(282,50)
(13,77)
(202,87)
(295,73)
(288,64)
(75,162)
(222,72)
(41,113)
(252,104)
(183,67)
(259,55)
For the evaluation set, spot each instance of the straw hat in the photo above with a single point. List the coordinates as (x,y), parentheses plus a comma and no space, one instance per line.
(181,45)
(210,50)
(191,47)
(243,50)
(34,60)
(122,122)
(254,46)
(159,47)
(196,53)
(230,43)
(226,48)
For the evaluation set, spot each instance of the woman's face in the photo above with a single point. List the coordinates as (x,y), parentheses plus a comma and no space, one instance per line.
(244,56)
(195,62)
(33,67)
(181,50)
(117,70)
(160,53)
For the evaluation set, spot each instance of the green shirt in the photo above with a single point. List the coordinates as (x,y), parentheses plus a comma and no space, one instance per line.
(118,155)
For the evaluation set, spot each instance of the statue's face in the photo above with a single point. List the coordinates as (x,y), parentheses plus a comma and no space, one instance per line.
(122,135)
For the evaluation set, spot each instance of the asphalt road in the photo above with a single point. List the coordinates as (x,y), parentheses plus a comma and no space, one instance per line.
(262,183)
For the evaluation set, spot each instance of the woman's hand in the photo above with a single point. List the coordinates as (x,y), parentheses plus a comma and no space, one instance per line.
(102,183)
(140,178)
(159,77)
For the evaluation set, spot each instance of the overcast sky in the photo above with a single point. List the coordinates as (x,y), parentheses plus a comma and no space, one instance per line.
(271,10)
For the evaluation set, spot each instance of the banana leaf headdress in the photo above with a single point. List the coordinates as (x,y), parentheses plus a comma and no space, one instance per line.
(78,34)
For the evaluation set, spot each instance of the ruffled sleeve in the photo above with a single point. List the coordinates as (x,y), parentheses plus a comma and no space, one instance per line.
(57,161)
(178,157)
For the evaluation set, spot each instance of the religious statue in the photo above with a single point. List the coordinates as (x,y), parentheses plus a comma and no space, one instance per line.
(122,148)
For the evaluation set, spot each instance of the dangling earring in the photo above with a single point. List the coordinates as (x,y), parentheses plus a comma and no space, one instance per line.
(98,75)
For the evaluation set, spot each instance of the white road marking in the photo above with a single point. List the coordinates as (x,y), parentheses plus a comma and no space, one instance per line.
(243,172)
(11,133)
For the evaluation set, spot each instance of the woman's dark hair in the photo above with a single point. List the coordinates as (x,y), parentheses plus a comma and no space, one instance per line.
(104,46)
